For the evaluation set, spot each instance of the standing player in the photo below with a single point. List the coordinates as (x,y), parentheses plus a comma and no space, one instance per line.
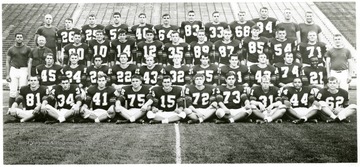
(141,29)
(241,28)
(175,47)
(308,26)
(225,47)
(287,71)
(200,100)
(81,49)
(180,73)
(167,103)
(89,30)
(123,44)
(17,66)
(121,73)
(190,28)
(111,30)
(163,31)
(291,28)
(100,102)
(37,55)
(311,48)
(241,71)
(265,102)
(257,71)
(334,102)
(215,30)
(74,71)
(49,32)
(266,24)
(149,48)
(49,72)
(281,46)
(200,47)
(101,46)
(315,75)
(64,37)
(151,72)
(210,70)
(93,71)
(253,46)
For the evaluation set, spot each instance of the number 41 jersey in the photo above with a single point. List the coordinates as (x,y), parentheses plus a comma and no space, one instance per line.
(100,99)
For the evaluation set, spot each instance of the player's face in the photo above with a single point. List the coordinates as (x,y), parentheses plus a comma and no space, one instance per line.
(281,35)
(314,62)
(199,81)
(98,62)
(297,83)
(166,83)
(65,84)
(265,84)
(338,40)
(116,19)
(227,35)
(99,36)
(41,41)
(19,38)
(191,16)
(68,24)
(166,20)
(77,38)
(101,82)
(49,60)
(312,36)
(216,17)
(287,14)
(48,19)
(142,19)
(74,59)
(136,83)
(262,59)
(92,20)
(122,36)
(264,13)
(34,82)
(241,16)
(255,32)
(204,60)
(175,37)
(201,36)
(149,36)
(288,58)
(123,58)
(177,59)
(309,17)
(234,61)
(230,80)
(332,85)
(150,61)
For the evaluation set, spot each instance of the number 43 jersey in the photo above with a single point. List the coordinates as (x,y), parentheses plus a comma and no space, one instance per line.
(167,100)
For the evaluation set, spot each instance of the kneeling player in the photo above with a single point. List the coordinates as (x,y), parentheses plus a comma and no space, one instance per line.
(200,100)
(167,103)
(334,102)
(265,102)
(233,102)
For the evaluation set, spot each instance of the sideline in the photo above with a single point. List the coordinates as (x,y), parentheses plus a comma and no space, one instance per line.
(177,145)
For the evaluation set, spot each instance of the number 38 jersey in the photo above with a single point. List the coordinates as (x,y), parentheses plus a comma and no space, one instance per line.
(232,97)
(100,99)
(167,100)
(135,99)
(337,100)
(200,98)
(31,98)
(266,98)
(297,98)
(65,98)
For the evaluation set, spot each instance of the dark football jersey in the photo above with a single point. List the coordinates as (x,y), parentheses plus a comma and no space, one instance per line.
(150,76)
(167,100)
(100,99)
(163,34)
(123,76)
(266,98)
(135,99)
(197,49)
(306,50)
(200,98)
(31,98)
(111,31)
(102,49)
(225,49)
(267,26)
(65,37)
(240,72)
(171,49)
(215,32)
(150,49)
(90,32)
(337,100)
(256,72)
(48,76)
(75,74)
(82,51)
(140,31)
(92,73)
(232,96)
(241,31)
(190,30)
(281,48)
(177,74)
(253,48)
(65,98)
(210,72)
(287,73)
(297,98)
(123,47)
(315,75)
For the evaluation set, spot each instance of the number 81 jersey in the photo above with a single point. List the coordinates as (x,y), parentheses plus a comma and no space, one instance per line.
(32,98)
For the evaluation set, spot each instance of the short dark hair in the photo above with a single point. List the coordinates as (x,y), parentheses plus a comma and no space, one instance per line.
(98,56)
(19,33)
(117,13)
(70,19)
(142,14)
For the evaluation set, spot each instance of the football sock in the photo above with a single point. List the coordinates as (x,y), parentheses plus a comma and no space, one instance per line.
(231,120)
(165,121)
(201,120)
(97,120)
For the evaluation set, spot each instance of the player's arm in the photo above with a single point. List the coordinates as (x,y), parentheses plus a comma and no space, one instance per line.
(29,66)
(328,63)
(187,54)
(351,65)
(8,59)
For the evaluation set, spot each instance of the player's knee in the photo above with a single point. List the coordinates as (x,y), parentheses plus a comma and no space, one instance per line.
(187,111)
(220,113)
(13,93)
(352,106)
(243,97)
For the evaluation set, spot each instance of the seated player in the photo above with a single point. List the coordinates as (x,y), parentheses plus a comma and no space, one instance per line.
(210,70)
(200,47)
(334,103)
(167,103)
(149,48)
(68,98)
(100,102)
(123,44)
(281,46)
(253,46)
(133,97)
(200,100)
(257,71)
(93,71)
(298,100)
(286,71)
(49,72)
(75,72)
(33,98)
(180,73)
(241,71)
(176,47)
(151,72)
(225,47)
(266,103)
(81,49)
(315,75)
(121,73)
(233,102)
(163,31)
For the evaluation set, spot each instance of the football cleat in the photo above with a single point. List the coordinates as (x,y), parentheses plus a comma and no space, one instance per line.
(345,121)
(298,121)
(154,122)
(122,121)
(332,120)
(313,121)
(278,121)
(193,121)
(259,121)
(218,121)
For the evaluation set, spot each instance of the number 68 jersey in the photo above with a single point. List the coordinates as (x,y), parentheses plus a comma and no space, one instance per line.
(337,100)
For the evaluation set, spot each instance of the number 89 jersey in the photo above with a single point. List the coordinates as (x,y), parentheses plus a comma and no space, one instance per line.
(337,100)
(167,100)
(100,99)
(266,98)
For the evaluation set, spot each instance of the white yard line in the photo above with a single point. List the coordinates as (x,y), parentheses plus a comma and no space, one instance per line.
(177,145)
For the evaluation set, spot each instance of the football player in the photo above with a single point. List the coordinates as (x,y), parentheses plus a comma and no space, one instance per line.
(149,48)
(291,28)
(101,46)
(89,30)
(252,46)
(123,45)
(200,47)
(210,70)
(241,28)
(36,56)
(311,48)
(75,72)
(167,103)
(49,72)
(281,46)
(141,29)
(93,71)
(241,71)
(64,37)
(334,102)
(180,73)
(266,24)
(266,103)
(175,47)
(121,74)
(257,71)
(163,31)
(308,26)
(81,49)
(287,71)
(100,102)
(315,75)
(151,72)
(223,48)
(111,30)
(200,100)
(215,30)
(49,31)
(189,28)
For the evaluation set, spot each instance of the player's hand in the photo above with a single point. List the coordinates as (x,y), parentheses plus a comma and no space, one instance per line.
(154,110)
(262,107)
(178,110)
(200,115)
(349,79)
(43,109)
(117,108)
(76,109)
(8,79)
(144,108)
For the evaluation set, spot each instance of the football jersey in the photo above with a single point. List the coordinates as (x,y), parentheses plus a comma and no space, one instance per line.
(167,100)
(65,98)
(123,76)
(100,99)
(177,74)
(240,72)
(337,100)
(102,49)
(210,72)
(254,48)
(65,37)
(75,74)
(256,72)
(48,76)
(241,31)
(315,75)
(171,49)
(197,49)
(163,34)
(140,31)
(90,32)
(190,30)
(287,73)
(306,28)
(215,32)
(280,48)
(225,49)
(265,98)
(111,31)
(267,26)
(297,98)
(290,28)
(232,97)
(123,47)
(92,73)
(150,49)
(200,98)
(135,99)
(306,51)
(31,98)
(150,76)
(82,51)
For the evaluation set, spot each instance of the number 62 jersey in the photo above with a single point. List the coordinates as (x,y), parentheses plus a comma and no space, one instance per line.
(337,100)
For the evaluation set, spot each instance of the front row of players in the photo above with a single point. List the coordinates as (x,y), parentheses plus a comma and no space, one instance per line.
(197,103)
